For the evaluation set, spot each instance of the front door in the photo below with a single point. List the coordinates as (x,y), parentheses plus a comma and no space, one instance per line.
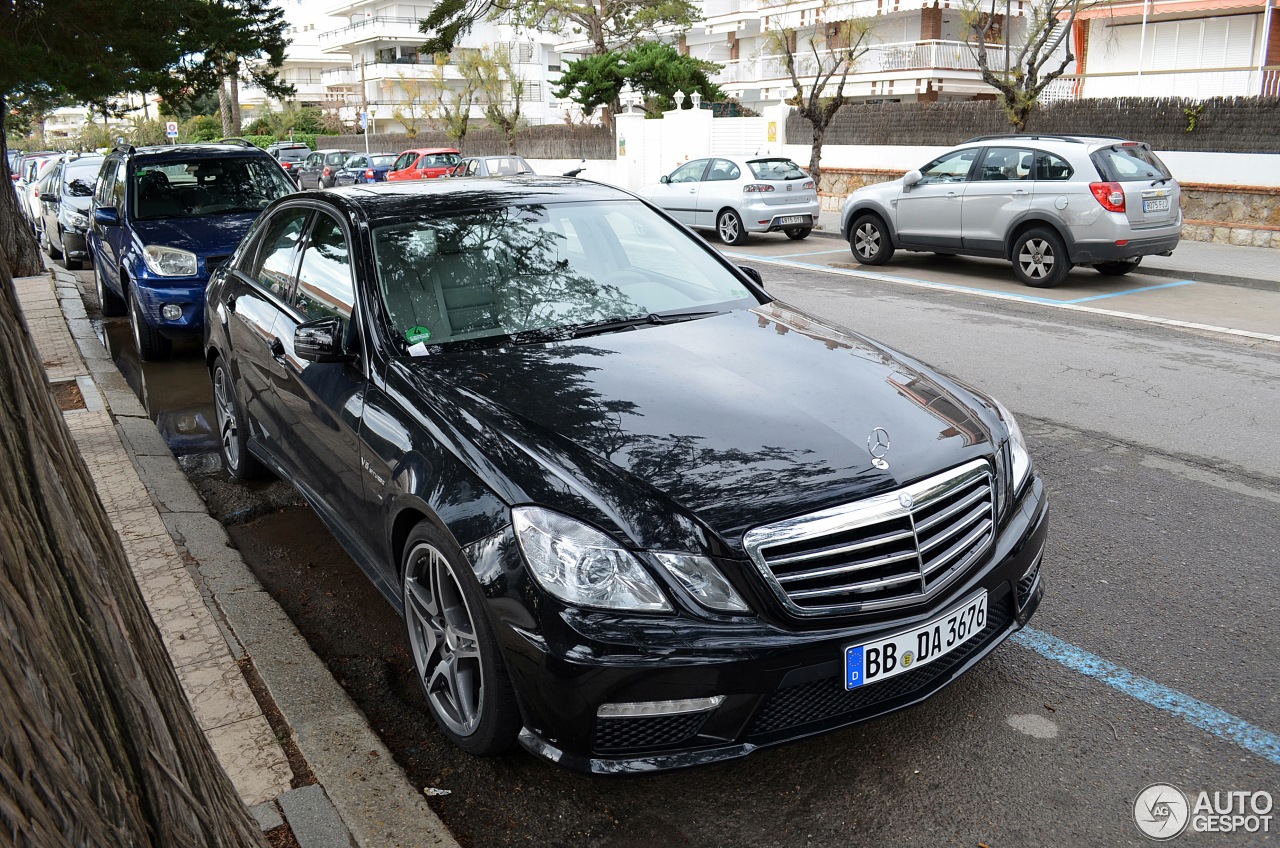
(679,194)
(720,188)
(929,212)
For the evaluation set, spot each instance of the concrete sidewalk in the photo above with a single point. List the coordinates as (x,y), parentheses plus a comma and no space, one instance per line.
(1205,262)
(296,748)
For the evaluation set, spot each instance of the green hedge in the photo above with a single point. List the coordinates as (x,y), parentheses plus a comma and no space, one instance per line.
(309,139)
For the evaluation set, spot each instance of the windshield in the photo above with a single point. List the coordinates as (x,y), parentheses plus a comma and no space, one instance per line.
(189,189)
(79,177)
(488,274)
(776,169)
(382,160)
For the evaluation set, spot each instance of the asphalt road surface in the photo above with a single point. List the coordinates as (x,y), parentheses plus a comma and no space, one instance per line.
(1155,657)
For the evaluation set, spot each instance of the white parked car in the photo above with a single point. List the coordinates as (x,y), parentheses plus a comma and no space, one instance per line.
(736,195)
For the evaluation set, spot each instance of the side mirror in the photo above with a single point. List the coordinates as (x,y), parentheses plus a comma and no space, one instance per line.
(665,179)
(753,274)
(911,178)
(321,341)
(106,216)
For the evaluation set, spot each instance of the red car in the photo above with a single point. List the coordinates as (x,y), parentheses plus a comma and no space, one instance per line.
(424,164)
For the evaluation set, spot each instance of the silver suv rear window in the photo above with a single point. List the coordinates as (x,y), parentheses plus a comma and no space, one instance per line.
(1131,163)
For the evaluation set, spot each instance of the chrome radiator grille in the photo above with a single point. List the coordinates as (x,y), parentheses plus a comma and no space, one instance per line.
(884,551)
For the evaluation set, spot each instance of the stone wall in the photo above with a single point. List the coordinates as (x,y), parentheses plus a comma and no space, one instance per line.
(1213,213)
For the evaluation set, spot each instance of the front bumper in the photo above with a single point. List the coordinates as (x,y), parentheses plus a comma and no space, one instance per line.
(189,296)
(75,245)
(778,683)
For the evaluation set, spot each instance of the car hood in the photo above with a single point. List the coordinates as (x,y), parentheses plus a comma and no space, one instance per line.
(206,235)
(718,424)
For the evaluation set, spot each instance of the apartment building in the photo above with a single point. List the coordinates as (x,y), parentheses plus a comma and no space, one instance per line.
(385,72)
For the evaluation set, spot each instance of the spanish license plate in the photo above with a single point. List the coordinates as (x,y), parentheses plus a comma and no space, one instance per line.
(1156,204)
(793,219)
(876,661)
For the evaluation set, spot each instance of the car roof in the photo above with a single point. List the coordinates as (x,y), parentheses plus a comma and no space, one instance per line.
(415,198)
(422,150)
(163,153)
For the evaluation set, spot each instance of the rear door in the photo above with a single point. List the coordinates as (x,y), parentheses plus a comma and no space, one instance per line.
(309,170)
(1151,194)
(929,213)
(322,403)
(254,296)
(999,190)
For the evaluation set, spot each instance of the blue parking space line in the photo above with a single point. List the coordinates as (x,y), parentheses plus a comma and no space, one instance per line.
(812,253)
(1133,291)
(1191,710)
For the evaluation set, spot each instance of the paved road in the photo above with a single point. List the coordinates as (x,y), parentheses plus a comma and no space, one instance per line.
(1152,660)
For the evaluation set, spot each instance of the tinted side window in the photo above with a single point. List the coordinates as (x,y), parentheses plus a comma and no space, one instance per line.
(102,197)
(274,266)
(1005,163)
(1051,167)
(723,169)
(324,280)
(117,187)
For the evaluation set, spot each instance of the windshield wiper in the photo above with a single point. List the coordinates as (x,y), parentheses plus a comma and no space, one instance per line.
(610,325)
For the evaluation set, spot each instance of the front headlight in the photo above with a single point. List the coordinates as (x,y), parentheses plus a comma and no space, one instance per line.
(704,581)
(77,220)
(582,566)
(169,261)
(1019,459)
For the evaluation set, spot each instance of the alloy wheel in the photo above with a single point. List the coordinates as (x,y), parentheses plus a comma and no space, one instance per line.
(728,228)
(866,241)
(228,428)
(1036,259)
(442,634)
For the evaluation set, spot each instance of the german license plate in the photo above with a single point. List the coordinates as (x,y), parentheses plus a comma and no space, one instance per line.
(793,219)
(876,661)
(1156,204)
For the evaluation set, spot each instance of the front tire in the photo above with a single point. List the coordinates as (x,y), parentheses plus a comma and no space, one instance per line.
(730,228)
(1116,269)
(1040,258)
(111,304)
(233,434)
(798,233)
(870,241)
(455,652)
(151,346)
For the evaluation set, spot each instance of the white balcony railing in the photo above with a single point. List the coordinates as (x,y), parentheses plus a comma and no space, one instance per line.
(1196,84)
(373,28)
(881,59)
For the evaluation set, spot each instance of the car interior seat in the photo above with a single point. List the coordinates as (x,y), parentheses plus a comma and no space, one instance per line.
(156,197)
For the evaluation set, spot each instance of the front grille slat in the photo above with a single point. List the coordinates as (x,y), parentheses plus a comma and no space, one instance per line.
(845,569)
(903,546)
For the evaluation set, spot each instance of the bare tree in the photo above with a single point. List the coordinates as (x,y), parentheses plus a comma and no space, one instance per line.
(822,46)
(502,88)
(1023,72)
(98,746)
(451,111)
(413,110)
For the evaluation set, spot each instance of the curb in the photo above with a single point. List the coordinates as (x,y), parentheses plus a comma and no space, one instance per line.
(370,794)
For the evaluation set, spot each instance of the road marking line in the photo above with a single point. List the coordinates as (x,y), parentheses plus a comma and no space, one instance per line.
(812,253)
(1134,291)
(1022,298)
(1191,710)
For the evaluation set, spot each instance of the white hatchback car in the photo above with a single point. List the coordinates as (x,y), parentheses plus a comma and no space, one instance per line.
(736,196)
(1043,202)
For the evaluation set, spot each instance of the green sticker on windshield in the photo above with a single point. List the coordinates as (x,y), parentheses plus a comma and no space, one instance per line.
(417,334)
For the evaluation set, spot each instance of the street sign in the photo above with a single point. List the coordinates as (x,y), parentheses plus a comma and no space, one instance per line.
(364,120)
(171,129)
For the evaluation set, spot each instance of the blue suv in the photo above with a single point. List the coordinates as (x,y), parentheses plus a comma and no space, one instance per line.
(164,218)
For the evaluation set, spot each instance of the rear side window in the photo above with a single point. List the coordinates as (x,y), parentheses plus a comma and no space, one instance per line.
(1051,167)
(1124,163)
(274,268)
(106,182)
(324,280)
(723,169)
(776,169)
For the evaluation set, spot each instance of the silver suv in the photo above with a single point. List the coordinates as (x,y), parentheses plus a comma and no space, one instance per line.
(1044,202)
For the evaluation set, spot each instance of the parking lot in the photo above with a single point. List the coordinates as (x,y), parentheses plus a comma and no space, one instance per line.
(1151,660)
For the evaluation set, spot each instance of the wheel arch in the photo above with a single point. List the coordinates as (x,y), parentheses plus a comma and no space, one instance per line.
(867,206)
(1032,221)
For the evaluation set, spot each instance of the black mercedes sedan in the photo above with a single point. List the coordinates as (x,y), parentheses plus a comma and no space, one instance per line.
(637,513)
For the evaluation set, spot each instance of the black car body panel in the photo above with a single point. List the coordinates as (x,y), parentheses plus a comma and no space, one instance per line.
(668,437)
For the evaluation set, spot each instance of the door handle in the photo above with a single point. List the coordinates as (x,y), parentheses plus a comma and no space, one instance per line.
(1020,192)
(230,302)
(951,194)
(277,349)
(692,190)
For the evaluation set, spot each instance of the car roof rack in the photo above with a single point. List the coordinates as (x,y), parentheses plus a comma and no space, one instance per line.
(125,147)
(1079,138)
(243,142)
